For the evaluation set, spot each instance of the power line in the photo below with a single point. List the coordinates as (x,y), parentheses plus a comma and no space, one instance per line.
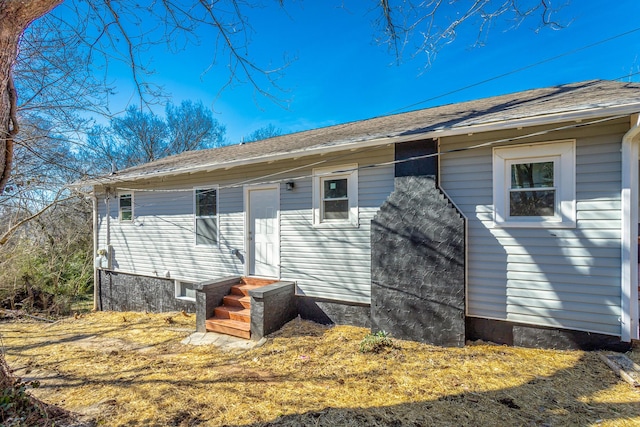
(262,179)
(517,70)
(571,52)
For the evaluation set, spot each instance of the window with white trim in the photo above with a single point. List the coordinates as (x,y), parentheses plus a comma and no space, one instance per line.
(534,185)
(206,216)
(125,207)
(185,290)
(335,195)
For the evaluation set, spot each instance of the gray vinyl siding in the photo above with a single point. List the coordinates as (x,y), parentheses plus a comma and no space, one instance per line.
(328,263)
(567,277)
(334,263)
(161,238)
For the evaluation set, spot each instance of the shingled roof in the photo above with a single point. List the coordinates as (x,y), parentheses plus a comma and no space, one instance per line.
(597,98)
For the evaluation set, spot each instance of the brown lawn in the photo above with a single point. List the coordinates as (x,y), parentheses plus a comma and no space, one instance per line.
(129,369)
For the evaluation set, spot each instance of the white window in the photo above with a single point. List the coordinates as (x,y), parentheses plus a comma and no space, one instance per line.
(335,195)
(206,216)
(125,207)
(534,185)
(185,290)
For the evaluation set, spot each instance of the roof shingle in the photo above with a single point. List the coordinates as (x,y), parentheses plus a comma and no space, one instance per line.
(576,98)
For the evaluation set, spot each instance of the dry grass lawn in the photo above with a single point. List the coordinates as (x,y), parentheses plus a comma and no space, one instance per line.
(129,369)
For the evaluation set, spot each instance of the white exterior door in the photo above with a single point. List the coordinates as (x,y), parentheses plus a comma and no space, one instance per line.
(263,231)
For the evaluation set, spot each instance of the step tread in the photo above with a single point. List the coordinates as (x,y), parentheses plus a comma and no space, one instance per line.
(232,312)
(258,281)
(237,301)
(244,326)
(244,289)
(229,327)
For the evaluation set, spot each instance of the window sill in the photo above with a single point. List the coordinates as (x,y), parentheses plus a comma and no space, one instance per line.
(187,299)
(336,225)
(535,224)
(203,245)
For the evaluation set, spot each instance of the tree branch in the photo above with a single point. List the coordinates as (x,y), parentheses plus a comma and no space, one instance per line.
(5,237)
(431,24)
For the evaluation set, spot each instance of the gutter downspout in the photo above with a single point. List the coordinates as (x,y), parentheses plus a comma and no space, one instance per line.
(629,231)
(107,226)
(96,277)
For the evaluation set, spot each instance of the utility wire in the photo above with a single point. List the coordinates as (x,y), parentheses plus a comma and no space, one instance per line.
(517,70)
(377,165)
(553,58)
(571,52)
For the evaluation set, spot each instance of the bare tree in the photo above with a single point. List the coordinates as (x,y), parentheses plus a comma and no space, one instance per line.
(44,165)
(424,27)
(101,153)
(141,134)
(139,137)
(191,126)
(104,31)
(268,131)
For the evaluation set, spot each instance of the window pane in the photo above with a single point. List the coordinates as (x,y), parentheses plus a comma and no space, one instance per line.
(532,175)
(186,290)
(206,203)
(336,209)
(125,201)
(206,231)
(532,203)
(125,207)
(335,188)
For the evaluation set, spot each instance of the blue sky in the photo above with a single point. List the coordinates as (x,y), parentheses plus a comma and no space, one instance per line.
(340,74)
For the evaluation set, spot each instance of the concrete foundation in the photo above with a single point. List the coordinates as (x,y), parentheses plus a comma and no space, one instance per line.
(531,336)
(128,292)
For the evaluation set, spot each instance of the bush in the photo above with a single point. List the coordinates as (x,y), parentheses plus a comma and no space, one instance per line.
(49,263)
(376,342)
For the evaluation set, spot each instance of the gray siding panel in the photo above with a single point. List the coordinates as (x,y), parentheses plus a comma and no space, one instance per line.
(161,240)
(329,263)
(566,278)
(334,263)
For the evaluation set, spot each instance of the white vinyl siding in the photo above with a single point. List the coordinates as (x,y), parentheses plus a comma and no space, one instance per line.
(326,263)
(567,278)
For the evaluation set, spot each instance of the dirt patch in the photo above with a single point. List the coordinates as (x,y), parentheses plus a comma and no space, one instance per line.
(130,369)
(109,345)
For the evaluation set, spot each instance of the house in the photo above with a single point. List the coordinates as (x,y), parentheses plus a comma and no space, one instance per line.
(512,219)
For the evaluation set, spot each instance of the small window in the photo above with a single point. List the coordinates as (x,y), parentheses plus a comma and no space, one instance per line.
(336,195)
(335,199)
(206,216)
(185,290)
(534,185)
(125,207)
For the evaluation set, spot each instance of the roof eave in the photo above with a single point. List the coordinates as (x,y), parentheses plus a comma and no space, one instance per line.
(577,115)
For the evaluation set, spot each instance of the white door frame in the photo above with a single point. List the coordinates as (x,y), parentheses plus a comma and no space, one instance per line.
(247,219)
(629,231)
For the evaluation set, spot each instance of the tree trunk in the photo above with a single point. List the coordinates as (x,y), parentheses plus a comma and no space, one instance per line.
(15,17)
